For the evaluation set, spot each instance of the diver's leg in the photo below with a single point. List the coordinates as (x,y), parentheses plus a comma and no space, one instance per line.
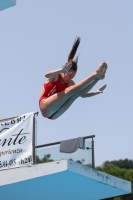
(69,102)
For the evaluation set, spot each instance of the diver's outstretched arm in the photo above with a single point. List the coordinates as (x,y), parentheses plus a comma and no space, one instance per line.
(93,93)
(64,69)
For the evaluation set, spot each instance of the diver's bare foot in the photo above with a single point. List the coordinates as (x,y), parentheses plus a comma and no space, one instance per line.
(101,70)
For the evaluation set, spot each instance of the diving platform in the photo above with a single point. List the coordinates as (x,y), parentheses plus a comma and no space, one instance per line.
(4,4)
(63,179)
(60,170)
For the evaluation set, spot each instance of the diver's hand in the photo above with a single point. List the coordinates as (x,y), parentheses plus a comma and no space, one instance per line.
(100,90)
(66,67)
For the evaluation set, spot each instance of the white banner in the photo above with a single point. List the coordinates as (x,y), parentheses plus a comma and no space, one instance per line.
(16,141)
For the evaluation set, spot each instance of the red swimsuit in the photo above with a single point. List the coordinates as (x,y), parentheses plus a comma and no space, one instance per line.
(52,88)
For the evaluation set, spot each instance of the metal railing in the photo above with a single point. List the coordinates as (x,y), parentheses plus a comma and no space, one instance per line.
(56,149)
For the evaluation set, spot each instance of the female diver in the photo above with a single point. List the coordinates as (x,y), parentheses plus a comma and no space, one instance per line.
(59,91)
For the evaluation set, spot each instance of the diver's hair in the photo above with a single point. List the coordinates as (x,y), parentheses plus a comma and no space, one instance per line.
(76,59)
(72,54)
(74,49)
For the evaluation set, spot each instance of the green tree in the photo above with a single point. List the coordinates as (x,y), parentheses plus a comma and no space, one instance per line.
(123,173)
(78,161)
(46,158)
(38,159)
(127,164)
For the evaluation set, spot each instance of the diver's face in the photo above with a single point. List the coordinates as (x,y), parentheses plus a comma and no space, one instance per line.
(69,75)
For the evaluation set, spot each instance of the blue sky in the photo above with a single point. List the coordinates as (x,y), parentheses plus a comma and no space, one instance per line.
(36,36)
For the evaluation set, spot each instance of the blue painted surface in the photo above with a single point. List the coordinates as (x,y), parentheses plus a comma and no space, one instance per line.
(5,4)
(62,186)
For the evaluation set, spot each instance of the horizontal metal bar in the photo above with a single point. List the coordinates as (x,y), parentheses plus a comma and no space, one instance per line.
(90,136)
(54,143)
(46,145)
